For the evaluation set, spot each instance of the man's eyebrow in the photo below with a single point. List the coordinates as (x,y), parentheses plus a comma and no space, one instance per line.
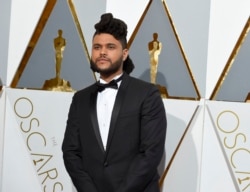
(107,44)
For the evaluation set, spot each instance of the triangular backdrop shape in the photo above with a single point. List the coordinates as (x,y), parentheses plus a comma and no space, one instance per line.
(233,84)
(25,11)
(88,14)
(179,115)
(230,124)
(215,174)
(173,70)
(41,64)
(17,165)
(185,164)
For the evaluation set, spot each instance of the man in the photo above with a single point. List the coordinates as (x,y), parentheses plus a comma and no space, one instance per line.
(114,138)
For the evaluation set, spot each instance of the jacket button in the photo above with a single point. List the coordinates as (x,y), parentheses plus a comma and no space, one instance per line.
(105,164)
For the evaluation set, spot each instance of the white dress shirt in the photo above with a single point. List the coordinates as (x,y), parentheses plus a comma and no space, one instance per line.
(105,104)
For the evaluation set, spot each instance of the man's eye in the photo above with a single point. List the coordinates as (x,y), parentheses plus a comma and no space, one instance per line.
(96,47)
(111,46)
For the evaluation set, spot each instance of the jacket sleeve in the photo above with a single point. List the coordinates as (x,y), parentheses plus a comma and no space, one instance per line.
(72,153)
(143,168)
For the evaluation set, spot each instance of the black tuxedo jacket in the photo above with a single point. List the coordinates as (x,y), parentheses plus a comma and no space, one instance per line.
(135,142)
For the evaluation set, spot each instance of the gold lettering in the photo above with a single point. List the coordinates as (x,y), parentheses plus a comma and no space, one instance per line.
(41,159)
(233,141)
(236,152)
(24,108)
(26,102)
(246,187)
(51,171)
(26,131)
(35,133)
(234,115)
(234,144)
(54,187)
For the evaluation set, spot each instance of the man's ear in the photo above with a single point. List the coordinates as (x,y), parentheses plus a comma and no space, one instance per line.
(125,54)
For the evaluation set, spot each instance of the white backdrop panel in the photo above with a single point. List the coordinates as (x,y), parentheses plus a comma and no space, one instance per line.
(179,114)
(231,122)
(34,129)
(227,20)
(2,117)
(184,172)
(215,175)
(24,17)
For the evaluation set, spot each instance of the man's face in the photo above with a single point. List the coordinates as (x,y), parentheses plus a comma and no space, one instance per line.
(107,55)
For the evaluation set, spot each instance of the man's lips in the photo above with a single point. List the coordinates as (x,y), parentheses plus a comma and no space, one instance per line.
(102,60)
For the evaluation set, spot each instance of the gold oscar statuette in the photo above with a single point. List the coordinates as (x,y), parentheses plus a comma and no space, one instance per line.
(57,83)
(154,50)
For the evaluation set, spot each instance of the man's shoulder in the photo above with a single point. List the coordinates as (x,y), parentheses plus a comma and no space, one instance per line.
(140,86)
(141,89)
(140,82)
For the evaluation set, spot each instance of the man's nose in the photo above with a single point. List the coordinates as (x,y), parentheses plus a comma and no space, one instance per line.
(103,52)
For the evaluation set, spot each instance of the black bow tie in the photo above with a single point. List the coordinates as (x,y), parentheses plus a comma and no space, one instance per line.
(111,84)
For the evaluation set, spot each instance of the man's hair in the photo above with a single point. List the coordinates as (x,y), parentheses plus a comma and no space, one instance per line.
(115,27)
(118,29)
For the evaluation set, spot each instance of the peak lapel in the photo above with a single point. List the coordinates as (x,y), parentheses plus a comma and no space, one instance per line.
(117,106)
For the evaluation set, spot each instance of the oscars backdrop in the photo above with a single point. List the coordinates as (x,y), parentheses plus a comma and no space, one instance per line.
(197,54)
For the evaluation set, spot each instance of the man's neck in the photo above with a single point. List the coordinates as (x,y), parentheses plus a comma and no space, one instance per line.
(110,77)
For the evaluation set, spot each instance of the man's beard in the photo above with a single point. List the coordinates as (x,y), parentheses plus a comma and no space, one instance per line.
(114,67)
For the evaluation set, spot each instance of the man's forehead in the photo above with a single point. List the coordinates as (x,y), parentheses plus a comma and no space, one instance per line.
(105,38)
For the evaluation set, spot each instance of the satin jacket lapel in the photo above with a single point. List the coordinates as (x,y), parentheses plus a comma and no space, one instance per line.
(93,115)
(116,109)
